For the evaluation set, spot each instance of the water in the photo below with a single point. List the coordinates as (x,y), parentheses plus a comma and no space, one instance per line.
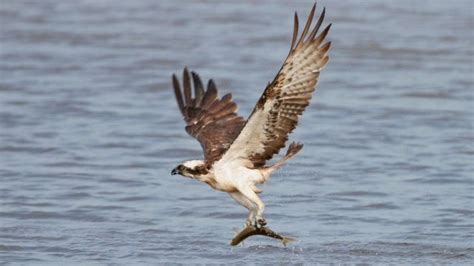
(89,131)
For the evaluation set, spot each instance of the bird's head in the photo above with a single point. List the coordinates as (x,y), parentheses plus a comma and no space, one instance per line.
(189,168)
(179,170)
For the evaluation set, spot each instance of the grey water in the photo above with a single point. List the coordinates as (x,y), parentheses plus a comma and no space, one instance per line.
(90,130)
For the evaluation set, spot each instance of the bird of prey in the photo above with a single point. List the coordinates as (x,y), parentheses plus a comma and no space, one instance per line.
(236,150)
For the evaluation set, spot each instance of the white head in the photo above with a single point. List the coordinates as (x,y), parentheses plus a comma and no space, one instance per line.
(191,168)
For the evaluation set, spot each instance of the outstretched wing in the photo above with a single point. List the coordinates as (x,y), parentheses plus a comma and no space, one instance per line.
(285,98)
(212,121)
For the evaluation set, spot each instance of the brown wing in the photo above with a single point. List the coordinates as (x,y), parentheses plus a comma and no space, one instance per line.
(212,121)
(285,98)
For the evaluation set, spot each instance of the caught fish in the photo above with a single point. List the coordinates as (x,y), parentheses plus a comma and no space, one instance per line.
(264,231)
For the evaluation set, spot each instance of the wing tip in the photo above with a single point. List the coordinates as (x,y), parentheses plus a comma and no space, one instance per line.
(305,38)
(295,32)
(177,93)
(307,26)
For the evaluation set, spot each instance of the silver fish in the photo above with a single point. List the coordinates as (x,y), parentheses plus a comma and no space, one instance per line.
(264,231)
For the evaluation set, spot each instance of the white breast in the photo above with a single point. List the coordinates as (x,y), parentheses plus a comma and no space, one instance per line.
(234,174)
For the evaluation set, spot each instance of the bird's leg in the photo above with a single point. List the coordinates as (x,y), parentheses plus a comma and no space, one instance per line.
(251,217)
(258,220)
(244,201)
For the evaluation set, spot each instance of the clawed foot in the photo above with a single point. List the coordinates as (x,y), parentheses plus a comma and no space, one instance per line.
(248,223)
(257,222)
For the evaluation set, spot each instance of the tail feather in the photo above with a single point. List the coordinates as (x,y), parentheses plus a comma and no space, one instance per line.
(293,149)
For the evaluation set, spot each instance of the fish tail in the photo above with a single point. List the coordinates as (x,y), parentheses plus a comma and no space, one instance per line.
(287,240)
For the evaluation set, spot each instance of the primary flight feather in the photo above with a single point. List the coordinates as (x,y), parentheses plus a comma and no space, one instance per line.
(236,150)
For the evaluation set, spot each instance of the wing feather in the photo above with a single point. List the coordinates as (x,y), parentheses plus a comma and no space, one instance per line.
(198,89)
(187,87)
(210,95)
(177,93)
(318,24)
(276,113)
(212,121)
(307,26)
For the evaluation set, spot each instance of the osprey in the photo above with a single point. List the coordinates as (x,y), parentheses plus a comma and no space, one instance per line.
(236,150)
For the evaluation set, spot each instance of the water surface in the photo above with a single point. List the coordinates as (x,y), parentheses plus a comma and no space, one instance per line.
(89,131)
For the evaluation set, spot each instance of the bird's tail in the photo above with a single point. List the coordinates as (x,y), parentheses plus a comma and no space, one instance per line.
(293,149)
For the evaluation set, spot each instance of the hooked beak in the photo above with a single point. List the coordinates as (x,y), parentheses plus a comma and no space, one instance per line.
(174,171)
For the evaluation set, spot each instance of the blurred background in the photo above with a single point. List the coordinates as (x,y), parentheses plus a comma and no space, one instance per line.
(89,132)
